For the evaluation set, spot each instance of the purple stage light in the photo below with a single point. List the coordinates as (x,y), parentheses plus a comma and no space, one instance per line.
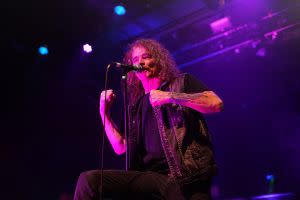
(255,43)
(220,25)
(237,51)
(87,48)
(274,35)
(261,52)
(275,196)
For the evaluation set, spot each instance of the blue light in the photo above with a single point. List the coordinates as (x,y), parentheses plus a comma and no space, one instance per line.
(43,50)
(120,10)
(270,177)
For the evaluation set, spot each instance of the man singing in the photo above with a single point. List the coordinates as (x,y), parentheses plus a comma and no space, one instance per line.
(170,151)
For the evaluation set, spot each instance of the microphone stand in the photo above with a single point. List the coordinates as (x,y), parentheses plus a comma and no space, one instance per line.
(126,130)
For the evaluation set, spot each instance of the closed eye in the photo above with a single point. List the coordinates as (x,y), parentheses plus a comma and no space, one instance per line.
(146,55)
(143,56)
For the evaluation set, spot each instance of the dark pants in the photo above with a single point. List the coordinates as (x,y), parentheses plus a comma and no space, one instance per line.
(119,184)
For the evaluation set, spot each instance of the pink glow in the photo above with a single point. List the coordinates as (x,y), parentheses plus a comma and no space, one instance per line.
(220,25)
(261,52)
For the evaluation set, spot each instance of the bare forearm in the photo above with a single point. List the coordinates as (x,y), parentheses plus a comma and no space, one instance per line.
(204,102)
(114,136)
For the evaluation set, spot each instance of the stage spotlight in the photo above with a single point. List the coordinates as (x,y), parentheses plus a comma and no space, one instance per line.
(87,48)
(270,177)
(271,180)
(221,25)
(261,52)
(120,10)
(43,50)
(237,51)
(255,43)
(274,35)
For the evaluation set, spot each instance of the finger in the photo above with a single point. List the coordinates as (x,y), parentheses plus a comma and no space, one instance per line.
(152,100)
(151,93)
(108,93)
(107,98)
(103,91)
(153,103)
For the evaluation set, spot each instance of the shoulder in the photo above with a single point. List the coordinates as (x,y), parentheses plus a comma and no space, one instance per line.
(178,83)
(193,84)
(186,77)
(182,77)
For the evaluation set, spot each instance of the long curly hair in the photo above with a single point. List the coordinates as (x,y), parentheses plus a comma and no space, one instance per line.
(162,58)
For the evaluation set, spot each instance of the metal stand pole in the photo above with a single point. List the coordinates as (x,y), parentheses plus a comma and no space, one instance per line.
(126,131)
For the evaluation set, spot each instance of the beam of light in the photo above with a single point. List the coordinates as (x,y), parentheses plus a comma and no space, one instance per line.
(43,50)
(275,196)
(120,10)
(275,32)
(245,43)
(211,39)
(87,48)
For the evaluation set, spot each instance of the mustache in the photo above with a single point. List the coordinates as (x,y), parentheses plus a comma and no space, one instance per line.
(146,68)
(149,66)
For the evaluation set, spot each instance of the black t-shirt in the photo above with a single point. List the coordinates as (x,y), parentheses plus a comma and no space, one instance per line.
(193,85)
(153,154)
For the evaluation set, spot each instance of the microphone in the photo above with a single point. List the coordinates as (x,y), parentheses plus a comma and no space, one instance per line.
(129,67)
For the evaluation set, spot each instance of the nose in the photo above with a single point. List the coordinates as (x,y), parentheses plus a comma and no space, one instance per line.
(141,62)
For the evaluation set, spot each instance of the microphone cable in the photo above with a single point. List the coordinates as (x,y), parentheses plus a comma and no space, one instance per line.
(103,133)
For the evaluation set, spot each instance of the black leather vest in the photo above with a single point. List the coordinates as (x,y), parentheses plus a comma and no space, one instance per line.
(184,136)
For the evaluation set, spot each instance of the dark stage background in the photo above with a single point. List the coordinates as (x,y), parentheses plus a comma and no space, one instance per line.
(51,130)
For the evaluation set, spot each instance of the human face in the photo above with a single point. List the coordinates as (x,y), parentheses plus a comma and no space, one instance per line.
(140,56)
